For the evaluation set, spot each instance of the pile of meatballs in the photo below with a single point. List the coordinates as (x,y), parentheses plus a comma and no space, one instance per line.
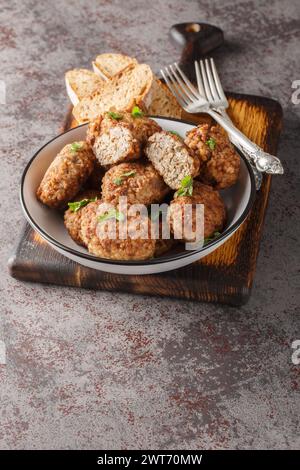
(128,154)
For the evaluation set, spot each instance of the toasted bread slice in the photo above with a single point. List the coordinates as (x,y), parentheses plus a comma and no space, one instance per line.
(129,87)
(80,83)
(163,102)
(108,65)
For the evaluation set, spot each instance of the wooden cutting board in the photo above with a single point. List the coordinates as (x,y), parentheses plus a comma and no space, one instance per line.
(226,275)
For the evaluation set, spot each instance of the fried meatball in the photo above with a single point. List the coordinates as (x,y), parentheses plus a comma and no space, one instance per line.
(88,221)
(66,175)
(214,212)
(103,238)
(72,219)
(139,182)
(160,230)
(171,157)
(119,137)
(162,245)
(219,162)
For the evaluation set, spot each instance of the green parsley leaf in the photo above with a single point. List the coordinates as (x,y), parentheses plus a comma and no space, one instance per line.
(209,239)
(186,188)
(118,181)
(186,181)
(175,133)
(114,115)
(136,112)
(111,214)
(128,173)
(211,143)
(75,206)
(75,146)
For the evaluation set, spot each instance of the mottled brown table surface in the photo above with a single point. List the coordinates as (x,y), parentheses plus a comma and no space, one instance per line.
(106,370)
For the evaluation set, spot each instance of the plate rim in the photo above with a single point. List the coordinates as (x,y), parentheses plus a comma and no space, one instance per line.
(162,260)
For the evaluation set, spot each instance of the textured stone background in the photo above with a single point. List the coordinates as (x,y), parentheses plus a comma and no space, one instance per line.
(105,370)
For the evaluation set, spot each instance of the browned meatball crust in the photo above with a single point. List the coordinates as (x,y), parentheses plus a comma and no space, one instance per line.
(163,245)
(66,175)
(214,211)
(172,158)
(100,240)
(88,221)
(139,182)
(219,162)
(72,219)
(117,137)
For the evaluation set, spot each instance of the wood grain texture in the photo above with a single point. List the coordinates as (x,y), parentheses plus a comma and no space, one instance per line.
(225,276)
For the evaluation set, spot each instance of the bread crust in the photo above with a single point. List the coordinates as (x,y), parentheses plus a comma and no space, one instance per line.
(163,103)
(109,64)
(132,86)
(82,82)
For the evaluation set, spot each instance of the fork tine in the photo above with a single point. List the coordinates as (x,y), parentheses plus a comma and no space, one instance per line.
(171,86)
(181,91)
(187,82)
(205,82)
(211,82)
(217,81)
(199,80)
(183,87)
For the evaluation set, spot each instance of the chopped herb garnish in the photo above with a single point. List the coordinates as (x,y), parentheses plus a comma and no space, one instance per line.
(211,143)
(111,214)
(75,206)
(75,146)
(128,173)
(175,133)
(115,115)
(186,187)
(209,239)
(118,181)
(136,112)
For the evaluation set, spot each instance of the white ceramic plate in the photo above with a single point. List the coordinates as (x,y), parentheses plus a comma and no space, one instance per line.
(49,223)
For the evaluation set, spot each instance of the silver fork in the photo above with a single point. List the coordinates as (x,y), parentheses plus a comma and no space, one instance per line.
(190,99)
(218,100)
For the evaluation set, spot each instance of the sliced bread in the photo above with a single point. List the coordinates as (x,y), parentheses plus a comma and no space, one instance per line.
(163,102)
(80,83)
(129,87)
(108,65)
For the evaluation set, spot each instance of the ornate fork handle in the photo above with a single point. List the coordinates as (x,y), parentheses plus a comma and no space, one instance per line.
(264,162)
